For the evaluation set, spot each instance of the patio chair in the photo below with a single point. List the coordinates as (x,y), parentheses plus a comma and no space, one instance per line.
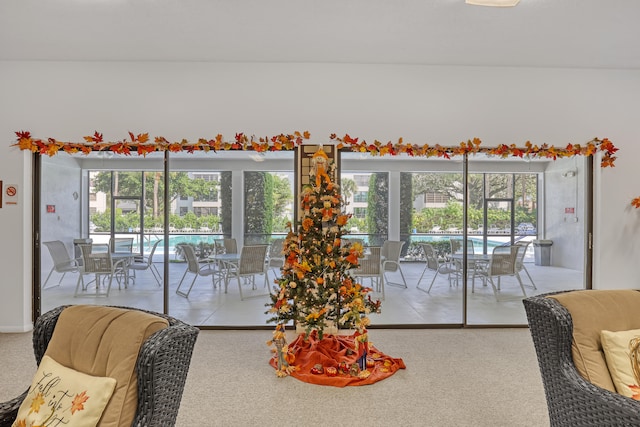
(121,244)
(197,268)
(62,261)
(147,353)
(96,260)
(457,248)
(520,261)
(145,262)
(276,257)
(371,267)
(251,263)
(230,245)
(566,329)
(433,263)
(457,245)
(390,256)
(502,263)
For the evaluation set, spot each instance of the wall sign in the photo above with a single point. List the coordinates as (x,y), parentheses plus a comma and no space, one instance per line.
(11,194)
(51,208)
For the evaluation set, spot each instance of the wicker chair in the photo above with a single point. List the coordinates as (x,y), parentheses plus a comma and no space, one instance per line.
(162,367)
(571,400)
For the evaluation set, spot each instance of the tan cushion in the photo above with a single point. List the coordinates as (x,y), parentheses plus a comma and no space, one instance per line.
(593,311)
(618,352)
(65,397)
(105,342)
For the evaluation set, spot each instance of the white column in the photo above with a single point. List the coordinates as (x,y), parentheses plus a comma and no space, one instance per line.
(394,205)
(237,203)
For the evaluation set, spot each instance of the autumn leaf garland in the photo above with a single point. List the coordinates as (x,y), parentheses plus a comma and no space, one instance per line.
(141,144)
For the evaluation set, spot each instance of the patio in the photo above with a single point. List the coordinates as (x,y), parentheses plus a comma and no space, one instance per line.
(210,307)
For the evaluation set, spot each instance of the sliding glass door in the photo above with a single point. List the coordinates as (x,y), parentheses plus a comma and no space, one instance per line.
(529,229)
(448,217)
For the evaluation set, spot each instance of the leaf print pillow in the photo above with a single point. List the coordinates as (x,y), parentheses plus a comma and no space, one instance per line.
(60,396)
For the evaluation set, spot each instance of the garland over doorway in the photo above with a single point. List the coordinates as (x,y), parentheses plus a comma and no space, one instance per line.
(142,144)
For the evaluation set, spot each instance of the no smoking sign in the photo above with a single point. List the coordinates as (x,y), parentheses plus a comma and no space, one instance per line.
(11,194)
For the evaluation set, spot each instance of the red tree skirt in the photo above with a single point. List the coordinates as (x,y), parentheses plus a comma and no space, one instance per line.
(332,351)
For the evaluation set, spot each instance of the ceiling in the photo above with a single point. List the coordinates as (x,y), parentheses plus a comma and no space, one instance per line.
(536,33)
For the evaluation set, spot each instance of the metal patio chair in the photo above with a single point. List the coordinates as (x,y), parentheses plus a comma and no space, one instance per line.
(96,260)
(197,268)
(390,257)
(370,267)
(252,262)
(433,263)
(145,262)
(62,261)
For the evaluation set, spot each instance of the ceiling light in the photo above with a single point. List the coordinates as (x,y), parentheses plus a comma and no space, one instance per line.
(495,3)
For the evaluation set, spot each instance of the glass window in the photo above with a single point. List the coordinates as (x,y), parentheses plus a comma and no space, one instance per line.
(360,213)
(360,197)
(366,198)
(268,205)
(395,198)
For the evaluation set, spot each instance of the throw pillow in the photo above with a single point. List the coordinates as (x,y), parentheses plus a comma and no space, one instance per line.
(62,396)
(622,350)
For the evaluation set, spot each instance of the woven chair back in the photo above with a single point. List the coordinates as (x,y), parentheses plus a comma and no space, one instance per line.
(96,258)
(252,259)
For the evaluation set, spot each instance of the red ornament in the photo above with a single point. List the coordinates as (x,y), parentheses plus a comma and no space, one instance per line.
(370,362)
(343,367)
(317,369)
(331,371)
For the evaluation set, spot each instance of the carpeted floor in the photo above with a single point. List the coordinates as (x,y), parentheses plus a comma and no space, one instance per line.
(454,377)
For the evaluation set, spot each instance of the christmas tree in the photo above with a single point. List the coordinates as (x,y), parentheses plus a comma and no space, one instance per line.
(315,290)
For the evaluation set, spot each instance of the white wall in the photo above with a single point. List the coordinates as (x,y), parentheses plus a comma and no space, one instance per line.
(443,105)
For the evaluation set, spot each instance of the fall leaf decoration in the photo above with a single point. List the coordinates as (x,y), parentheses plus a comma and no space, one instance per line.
(474,146)
(634,357)
(142,145)
(78,402)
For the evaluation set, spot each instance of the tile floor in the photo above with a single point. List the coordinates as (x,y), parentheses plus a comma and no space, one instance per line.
(207,306)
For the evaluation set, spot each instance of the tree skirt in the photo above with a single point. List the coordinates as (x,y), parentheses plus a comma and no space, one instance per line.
(315,361)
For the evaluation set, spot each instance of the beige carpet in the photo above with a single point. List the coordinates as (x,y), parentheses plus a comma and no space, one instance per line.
(459,377)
